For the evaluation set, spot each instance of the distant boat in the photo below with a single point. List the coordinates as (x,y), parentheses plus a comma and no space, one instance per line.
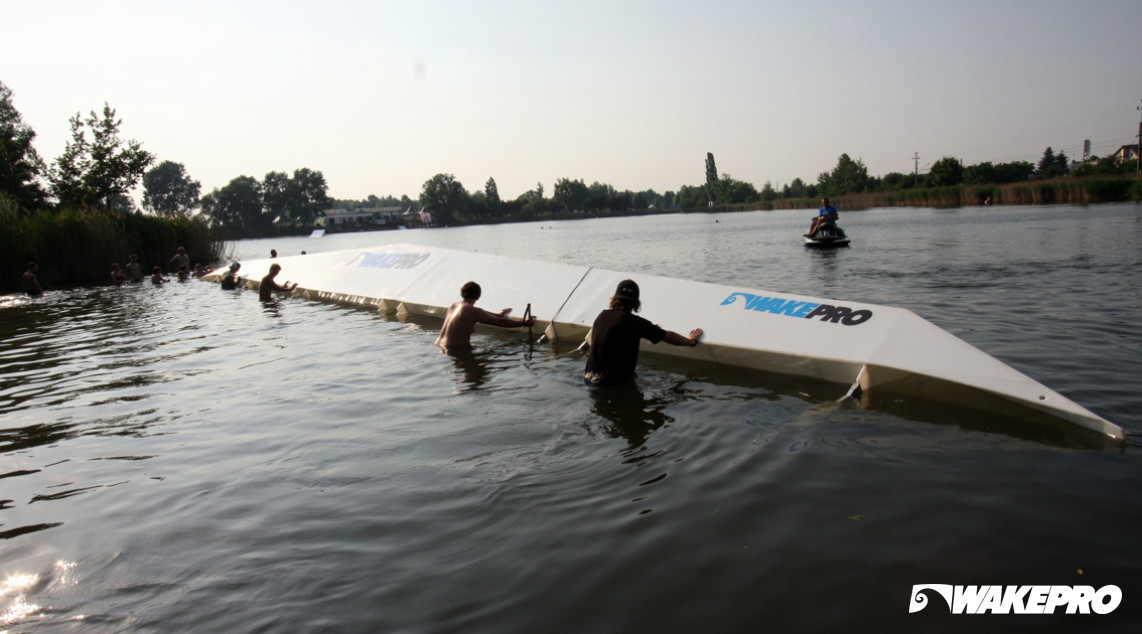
(317,233)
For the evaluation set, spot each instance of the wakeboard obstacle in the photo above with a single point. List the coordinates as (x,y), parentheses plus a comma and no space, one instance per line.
(872,348)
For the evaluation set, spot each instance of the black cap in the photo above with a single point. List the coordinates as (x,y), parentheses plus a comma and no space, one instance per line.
(627,289)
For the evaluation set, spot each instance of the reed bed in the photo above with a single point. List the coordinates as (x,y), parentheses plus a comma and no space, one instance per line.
(77,247)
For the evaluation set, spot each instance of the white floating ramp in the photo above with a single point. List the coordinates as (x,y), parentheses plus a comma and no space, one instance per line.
(878,348)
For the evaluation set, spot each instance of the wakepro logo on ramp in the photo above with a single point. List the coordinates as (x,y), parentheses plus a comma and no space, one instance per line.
(1019,599)
(389,260)
(805,310)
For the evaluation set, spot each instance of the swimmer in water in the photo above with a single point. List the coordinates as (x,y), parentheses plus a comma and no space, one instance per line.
(463,316)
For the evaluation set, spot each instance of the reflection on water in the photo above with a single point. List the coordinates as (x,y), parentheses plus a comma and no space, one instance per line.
(631,415)
(304,466)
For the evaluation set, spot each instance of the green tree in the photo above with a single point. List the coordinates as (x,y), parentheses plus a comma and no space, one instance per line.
(946,172)
(1014,172)
(896,180)
(711,177)
(730,191)
(237,207)
(693,197)
(168,191)
(309,195)
(493,193)
(302,198)
(599,196)
(848,177)
(95,172)
(445,198)
(67,176)
(573,194)
(20,166)
(795,189)
(987,173)
(276,195)
(1052,165)
(768,194)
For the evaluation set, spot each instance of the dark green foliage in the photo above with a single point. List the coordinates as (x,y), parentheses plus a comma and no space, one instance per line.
(236,209)
(1099,190)
(446,199)
(572,194)
(169,191)
(848,177)
(1052,165)
(93,172)
(946,172)
(711,177)
(77,246)
(20,166)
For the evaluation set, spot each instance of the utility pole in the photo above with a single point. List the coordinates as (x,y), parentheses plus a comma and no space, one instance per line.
(916,167)
(1139,152)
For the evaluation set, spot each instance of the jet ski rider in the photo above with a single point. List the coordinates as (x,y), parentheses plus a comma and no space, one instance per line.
(826,216)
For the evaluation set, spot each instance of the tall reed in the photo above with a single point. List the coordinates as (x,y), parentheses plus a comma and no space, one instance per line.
(77,246)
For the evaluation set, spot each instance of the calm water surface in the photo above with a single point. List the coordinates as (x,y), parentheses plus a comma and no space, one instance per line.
(187,459)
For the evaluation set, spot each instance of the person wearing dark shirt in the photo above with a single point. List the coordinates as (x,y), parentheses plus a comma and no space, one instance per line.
(616,334)
(230,280)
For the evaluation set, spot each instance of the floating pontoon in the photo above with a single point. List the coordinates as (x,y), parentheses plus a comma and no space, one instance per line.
(869,347)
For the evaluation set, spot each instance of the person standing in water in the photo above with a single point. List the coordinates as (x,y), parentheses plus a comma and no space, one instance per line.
(268,286)
(31,282)
(616,334)
(180,260)
(117,276)
(463,316)
(230,280)
(134,269)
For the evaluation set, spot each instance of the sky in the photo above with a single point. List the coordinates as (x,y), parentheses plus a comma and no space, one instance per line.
(380,96)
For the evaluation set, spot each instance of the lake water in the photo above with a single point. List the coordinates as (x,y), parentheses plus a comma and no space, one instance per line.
(187,459)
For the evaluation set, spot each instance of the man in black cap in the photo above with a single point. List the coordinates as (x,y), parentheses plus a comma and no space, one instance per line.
(616,334)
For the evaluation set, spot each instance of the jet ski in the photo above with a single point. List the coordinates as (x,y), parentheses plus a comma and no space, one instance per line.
(827,236)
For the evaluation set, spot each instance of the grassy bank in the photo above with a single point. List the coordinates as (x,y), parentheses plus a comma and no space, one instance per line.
(76,247)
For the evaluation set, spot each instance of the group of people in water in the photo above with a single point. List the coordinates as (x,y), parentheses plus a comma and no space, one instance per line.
(613,341)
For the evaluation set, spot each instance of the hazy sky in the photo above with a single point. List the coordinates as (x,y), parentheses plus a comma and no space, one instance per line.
(380,96)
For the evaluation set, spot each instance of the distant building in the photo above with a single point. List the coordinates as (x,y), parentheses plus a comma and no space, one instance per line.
(364,218)
(1126,153)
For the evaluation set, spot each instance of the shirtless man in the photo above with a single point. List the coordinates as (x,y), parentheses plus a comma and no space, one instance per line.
(464,315)
(268,286)
(134,269)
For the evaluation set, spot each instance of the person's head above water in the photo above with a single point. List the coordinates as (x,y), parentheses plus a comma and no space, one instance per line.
(626,296)
(470,291)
